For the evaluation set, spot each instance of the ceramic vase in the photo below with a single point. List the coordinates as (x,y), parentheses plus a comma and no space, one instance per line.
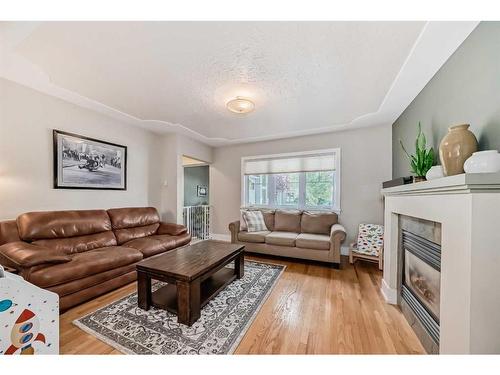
(483,162)
(435,172)
(455,148)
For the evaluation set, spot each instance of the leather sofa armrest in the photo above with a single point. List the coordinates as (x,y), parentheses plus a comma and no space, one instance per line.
(234,228)
(24,255)
(171,229)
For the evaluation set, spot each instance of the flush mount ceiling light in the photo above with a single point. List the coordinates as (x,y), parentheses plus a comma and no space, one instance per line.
(240,105)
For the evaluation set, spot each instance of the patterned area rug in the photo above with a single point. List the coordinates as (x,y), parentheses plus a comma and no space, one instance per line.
(223,323)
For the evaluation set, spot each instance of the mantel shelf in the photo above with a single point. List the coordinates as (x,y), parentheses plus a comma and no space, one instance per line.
(465,183)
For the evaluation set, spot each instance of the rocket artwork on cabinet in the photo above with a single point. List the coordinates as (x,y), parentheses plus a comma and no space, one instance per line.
(29,317)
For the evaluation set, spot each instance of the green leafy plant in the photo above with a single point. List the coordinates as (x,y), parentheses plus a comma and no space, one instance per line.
(423,159)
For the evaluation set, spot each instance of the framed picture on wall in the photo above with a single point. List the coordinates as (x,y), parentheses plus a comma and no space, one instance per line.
(202,191)
(86,163)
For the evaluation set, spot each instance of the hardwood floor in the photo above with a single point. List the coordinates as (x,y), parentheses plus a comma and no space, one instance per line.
(313,309)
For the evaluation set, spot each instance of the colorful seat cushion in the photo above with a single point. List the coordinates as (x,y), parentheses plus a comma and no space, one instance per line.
(370,239)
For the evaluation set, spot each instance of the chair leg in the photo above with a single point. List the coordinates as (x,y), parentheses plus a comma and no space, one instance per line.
(351,260)
(381,261)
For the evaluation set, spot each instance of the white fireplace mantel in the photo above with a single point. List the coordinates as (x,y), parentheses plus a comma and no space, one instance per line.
(468,208)
(459,184)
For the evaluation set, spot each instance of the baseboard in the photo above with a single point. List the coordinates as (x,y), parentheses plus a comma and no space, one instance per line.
(390,294)
(220,237)
(344,250)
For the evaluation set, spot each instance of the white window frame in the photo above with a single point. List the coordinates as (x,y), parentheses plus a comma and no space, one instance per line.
(336,185)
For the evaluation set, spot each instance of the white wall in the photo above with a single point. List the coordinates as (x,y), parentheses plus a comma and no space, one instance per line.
(366,163)
(155,174)
(27,118)
(174,146)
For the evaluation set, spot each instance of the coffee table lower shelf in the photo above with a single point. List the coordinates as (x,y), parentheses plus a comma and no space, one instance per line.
(166,296)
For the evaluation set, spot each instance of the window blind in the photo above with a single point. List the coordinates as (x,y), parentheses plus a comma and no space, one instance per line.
(290,164)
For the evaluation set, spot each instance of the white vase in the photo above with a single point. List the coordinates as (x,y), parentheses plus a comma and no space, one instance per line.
(483,162)
(435,172)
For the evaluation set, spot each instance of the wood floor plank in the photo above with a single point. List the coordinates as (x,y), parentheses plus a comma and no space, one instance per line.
(313,309)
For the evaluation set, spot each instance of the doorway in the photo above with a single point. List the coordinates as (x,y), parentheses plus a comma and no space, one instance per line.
(196,208)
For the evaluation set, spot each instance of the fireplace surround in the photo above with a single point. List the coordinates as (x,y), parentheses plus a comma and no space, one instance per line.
(467,208)
(420,283)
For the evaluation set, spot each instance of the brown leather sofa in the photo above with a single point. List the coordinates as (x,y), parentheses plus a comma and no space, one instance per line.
(82,254)
(295,234)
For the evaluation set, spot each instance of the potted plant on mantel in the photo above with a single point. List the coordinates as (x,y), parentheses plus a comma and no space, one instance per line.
(423,159)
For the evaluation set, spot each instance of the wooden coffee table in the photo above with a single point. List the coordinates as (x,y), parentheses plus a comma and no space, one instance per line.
(194,274)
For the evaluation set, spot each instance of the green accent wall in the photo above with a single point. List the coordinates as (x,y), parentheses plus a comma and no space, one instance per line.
(465,90)
(194,176)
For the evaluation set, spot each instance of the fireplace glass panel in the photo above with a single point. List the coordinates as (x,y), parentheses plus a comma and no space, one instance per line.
(424,281)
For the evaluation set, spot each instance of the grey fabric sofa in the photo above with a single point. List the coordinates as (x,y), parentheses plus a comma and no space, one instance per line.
(296,234)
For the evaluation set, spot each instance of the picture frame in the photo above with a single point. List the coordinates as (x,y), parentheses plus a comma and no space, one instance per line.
(82,162)
(201,190)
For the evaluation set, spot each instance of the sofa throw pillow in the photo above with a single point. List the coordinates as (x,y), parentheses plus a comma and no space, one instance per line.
(243,222)
(255,221)
(370,239)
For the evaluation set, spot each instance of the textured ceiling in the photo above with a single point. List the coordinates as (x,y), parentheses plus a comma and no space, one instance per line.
(301,75)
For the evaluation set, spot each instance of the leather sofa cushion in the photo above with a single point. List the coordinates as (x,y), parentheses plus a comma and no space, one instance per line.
(256,237)
(85,264)
(86,294)
(287,221)
(182,239)
(132,217)
(22,254)
(61,224)
(128,234)
(90,281)
(79,244)
(313,241)
(157,244)
(281,238)
(8,232)
(318,222)
(172,229)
